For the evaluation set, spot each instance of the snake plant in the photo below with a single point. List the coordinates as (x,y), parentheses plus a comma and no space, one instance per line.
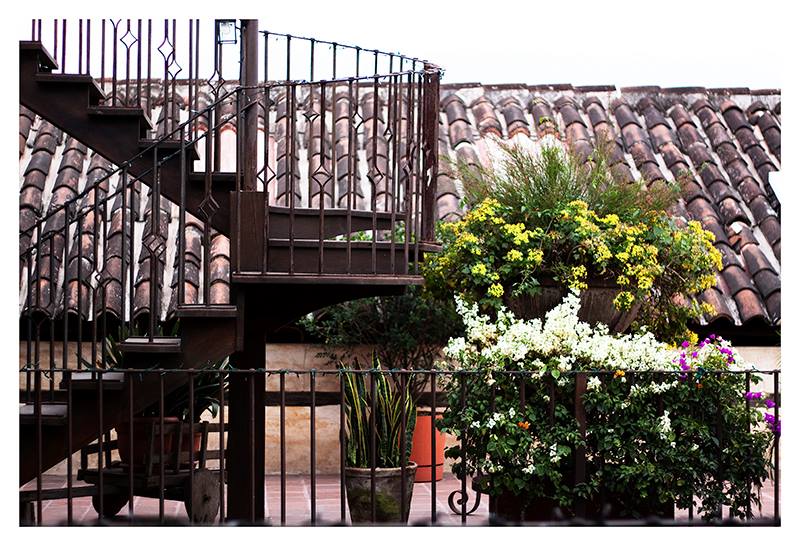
(373,391)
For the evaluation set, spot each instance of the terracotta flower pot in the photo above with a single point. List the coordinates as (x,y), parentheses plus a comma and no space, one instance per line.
(597,304)
(421,447)
(388,498)
(142,427)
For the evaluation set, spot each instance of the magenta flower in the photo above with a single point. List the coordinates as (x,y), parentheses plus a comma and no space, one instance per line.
(752,395)
(685,344)
(769,403)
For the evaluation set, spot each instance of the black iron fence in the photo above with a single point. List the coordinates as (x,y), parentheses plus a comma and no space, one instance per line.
(138,447)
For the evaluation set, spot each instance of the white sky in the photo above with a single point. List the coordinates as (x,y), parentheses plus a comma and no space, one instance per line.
(669,43)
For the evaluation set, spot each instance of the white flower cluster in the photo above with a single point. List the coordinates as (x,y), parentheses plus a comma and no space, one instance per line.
(561,342)
(664,425)
(652,388)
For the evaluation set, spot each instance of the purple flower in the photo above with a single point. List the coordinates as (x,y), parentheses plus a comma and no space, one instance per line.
(685,344)
(769,418)
(713,336)
(769,403)
(752,395)
(694,354)
(685,366)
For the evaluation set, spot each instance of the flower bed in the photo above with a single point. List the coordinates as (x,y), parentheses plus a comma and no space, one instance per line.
(557,413)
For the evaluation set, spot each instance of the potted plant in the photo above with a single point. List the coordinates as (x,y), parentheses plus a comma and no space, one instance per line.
(664,427)
(540,225)
(406,332)
(386,466)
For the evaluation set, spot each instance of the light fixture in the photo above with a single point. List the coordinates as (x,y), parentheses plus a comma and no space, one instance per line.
(225,31)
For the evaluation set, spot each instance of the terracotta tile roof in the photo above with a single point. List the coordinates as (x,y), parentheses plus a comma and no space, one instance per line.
(728,139)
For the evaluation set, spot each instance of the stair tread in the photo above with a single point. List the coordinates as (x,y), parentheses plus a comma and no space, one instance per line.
(216,176)
(103,110)
(51,413)
(83,381)
(159,344)
(94,86)
(45,58)
(208,311)
(170,145)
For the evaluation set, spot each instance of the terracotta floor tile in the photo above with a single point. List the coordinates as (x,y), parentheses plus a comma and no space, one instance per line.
(298,504)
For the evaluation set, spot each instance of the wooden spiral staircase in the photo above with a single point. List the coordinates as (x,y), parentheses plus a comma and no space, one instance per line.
(289,255)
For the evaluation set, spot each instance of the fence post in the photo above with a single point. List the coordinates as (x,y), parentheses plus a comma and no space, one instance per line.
(777,489)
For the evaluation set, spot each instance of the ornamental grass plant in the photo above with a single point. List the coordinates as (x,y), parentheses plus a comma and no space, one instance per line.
(664,426)
(535,187)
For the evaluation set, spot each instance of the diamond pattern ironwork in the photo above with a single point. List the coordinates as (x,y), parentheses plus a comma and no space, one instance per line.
(208,207)
(322,176)
(310,115)
(128,39)
(155,244)
(375,176)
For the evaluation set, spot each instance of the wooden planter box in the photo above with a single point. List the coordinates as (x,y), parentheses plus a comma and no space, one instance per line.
(597,304)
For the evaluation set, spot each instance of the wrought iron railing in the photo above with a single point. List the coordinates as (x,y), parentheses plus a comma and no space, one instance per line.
(101,467)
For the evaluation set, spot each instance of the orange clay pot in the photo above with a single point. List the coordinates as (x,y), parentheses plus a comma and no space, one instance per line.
(421,447)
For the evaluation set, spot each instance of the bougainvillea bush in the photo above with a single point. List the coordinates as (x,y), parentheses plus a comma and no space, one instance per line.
(663,426)
(547,218)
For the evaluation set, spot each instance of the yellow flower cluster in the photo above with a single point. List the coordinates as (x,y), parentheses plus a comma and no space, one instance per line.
(490,255)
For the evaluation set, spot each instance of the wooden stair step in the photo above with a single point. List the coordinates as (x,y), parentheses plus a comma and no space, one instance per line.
(122,111)
(95,91)
(87,381)
(53,414)
(227,179)
(207,311)
(157,345)
(46,60)
(170,147)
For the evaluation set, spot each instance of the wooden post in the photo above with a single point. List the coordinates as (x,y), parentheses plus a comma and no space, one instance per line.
(246,437)
(246,402)
(430,142)
(249,70)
